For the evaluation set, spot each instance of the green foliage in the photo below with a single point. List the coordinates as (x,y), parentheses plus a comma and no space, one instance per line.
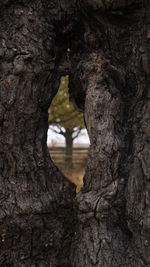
(62,112)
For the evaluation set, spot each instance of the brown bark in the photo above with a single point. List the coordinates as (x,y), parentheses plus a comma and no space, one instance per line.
(111,67)
(36,201)
(110,62)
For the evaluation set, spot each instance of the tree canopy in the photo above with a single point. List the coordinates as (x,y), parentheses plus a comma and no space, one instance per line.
(62,112)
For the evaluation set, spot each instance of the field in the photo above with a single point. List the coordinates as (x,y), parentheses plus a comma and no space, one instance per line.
(75,174)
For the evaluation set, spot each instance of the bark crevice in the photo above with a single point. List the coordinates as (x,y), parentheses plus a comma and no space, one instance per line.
(109,79)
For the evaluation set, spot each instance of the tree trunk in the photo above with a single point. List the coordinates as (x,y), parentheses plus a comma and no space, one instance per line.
(110,73)
(36,201)
(111,66)
(69,147)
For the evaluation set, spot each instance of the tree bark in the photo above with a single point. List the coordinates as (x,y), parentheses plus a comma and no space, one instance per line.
(110,78)
(36,201)
(111,67)
(69,146)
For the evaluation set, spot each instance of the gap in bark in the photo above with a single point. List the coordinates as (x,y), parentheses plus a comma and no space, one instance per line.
(66,122)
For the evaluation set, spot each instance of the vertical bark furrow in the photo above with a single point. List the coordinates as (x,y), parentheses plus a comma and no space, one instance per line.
(113,205)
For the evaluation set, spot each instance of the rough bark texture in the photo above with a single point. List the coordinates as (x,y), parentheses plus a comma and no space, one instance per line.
(36,201)
(111,66)
(110,76)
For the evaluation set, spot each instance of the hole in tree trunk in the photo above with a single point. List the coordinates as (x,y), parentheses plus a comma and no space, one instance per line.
(67,136)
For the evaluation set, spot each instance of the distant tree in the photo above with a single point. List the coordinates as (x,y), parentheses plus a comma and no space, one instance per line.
(67,121)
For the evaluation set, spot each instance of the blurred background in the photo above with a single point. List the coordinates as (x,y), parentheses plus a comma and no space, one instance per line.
(67,138)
